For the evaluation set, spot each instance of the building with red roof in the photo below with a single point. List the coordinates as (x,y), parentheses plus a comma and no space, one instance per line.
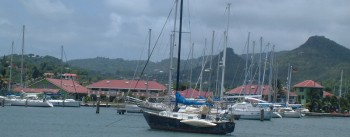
(119,87)
(254,90)
(308,86)
(249,90)
(35,90)
(192,93)
(67,87)
(326,93)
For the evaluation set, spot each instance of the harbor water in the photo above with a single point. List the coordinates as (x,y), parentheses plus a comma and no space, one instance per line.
(84,122)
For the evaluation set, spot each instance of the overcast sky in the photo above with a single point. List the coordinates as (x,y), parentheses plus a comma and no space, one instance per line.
(119,28)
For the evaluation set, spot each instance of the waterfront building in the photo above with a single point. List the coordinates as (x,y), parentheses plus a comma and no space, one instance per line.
(136,88)
(306,88)
(192,93)
(66,87)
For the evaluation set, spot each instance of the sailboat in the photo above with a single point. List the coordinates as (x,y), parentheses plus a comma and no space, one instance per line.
(172,120)
(64,102)
(26,100)
(287,111)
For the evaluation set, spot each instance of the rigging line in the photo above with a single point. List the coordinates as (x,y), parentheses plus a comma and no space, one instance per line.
(189,20)
(155,44)
(137,67)
(116,121)
(235,74)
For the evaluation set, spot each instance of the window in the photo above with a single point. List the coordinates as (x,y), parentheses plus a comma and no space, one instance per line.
(301,89)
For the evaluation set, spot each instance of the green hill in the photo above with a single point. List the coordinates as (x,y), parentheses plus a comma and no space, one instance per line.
(319,59)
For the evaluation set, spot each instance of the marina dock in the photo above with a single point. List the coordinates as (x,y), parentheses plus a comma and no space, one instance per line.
(327,114)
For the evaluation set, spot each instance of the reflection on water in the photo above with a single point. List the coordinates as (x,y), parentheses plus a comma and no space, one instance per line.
(84,122)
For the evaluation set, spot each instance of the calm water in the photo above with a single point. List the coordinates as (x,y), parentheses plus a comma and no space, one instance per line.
(84,122)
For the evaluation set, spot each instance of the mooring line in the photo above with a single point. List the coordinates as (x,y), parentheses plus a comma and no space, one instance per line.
(116,121)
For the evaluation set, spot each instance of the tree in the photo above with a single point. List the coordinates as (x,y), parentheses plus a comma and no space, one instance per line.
(36,72)
(314,102)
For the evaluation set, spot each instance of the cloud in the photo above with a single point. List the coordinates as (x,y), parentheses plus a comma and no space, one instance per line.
(52,9)
(114,26)
(119,28)
(4,22)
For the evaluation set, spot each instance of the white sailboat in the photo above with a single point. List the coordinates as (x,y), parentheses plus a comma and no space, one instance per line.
(64,102)
(287,111)
(28,101)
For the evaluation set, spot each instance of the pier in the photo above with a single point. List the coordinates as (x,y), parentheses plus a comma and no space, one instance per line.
(327,114)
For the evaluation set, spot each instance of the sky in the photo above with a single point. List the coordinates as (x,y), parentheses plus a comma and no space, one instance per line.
(120,28)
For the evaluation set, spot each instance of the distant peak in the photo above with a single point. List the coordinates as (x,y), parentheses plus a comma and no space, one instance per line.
(317,40)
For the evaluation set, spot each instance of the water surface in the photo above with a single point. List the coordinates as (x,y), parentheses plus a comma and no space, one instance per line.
(84,122)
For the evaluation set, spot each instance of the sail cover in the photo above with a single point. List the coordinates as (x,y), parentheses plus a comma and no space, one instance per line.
(182,100)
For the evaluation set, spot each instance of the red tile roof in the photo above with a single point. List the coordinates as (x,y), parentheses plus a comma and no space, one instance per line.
(308,84)
(69,75)
(252,88)
(325,93)
(35,90)
(68,85)
(128,84)
(195,93)
(293,94)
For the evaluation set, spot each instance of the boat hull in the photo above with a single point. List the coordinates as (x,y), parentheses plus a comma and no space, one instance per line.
(61,103)
(156,121)
(253,115)
(30,103)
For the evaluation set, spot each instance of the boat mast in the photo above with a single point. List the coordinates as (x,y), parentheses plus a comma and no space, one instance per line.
(251,77)
(179,52)
(191,67)
(264,71)
(341,82)
(172,45)
(203,65)
(289,82)
(224,54)
(270,73)
(171,64)
(22,85)
(149,56)
(259,78)
(61,64)
(10,80)
(211,62)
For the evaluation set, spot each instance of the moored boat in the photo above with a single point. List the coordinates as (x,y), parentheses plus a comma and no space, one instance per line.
(65,102)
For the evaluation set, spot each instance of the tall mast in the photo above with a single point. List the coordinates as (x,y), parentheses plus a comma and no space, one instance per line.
(264,70)
(10,80)
(217,78)
(191,67)
(211,62)
(341,82)
(61,64)
(171,64)
(251,78)
(246,65)
(203,65)
(172,45)
(289,82)
(148,57)
(259,78)
(224,54)
(223,68)
(22,85)
(270,73)
(179,51)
